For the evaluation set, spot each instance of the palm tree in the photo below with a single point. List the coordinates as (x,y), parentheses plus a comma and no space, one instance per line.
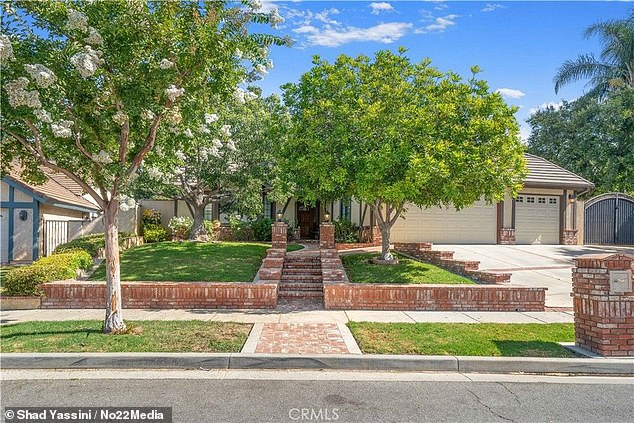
(615,68)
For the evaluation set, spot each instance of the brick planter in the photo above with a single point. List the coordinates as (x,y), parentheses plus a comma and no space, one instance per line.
(161,295)
(349,296)
(422,251)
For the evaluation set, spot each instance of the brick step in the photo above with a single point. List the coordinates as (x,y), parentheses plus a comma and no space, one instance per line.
(314,272)
(300,294)
(300,286)
(303,263)
(300,278)
(296,267)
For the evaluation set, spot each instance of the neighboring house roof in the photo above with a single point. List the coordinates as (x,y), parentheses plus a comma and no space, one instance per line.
(542,173)
(58,190)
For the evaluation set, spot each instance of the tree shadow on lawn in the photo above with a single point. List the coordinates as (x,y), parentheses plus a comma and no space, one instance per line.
(532,349)
(7,336)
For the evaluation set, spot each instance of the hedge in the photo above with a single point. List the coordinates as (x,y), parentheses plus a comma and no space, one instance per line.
(92,244)
(26,280)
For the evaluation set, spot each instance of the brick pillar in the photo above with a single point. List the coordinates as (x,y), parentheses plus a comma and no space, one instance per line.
(604,304)
(279,235)
(507,236)
(376,235)
(570,237)
(326,236)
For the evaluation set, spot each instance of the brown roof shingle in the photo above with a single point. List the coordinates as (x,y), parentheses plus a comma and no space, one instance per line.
(542,173)
(58,189)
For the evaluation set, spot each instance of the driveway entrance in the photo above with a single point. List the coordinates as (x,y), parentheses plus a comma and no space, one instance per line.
(547,266)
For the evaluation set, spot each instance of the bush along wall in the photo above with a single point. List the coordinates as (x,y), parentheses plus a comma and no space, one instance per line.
(26,280)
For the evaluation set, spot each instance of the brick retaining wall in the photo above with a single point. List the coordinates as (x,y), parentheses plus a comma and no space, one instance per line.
(433,297)
(177,295)
(470,269)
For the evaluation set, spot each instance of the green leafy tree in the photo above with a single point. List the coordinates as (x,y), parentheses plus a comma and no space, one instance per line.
(593,139)
(614,68)
(87,87)
(226,156)
(391,133)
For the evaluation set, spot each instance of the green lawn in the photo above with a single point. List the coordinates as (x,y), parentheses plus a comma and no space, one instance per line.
(479,339)
(408,271)
(190,261)
(153,336)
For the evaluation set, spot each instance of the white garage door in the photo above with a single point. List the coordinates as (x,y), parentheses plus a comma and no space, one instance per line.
(537,219)
(4,235)
(474,225)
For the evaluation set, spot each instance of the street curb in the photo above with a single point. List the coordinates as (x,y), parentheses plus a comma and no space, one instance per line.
(404,363)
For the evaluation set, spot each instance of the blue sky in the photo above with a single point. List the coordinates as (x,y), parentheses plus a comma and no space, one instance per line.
(518,45)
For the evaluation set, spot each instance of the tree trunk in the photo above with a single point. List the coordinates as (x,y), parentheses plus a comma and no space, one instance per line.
(385,243)
(114,318)
(199,232)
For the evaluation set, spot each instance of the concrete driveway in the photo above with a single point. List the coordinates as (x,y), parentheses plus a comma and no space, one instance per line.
(547,266)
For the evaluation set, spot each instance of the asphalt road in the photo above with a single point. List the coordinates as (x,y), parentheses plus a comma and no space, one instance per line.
(252,396)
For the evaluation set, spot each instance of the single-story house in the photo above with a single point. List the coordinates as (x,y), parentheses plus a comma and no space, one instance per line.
(546,211)
(36,218)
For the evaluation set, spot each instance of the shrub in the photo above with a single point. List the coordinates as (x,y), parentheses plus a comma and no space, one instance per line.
(213,229)
(74,260)
(181,226)
(151,217)
(92,244)
(154,233)
(241,229)
(262,229)
(26,280)
(346,231)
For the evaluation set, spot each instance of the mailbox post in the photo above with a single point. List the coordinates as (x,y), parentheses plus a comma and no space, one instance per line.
(603,302)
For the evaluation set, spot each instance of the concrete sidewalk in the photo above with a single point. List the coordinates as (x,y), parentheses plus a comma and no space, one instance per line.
(275,316)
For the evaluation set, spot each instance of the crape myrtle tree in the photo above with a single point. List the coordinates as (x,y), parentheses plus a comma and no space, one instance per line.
(227,156)
(391,133)
(88,86)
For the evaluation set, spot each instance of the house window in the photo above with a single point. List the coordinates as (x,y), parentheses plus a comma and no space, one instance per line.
(345,209)
(520,199)
(530,199)
(268,209)
(552,201)
(541,200)
(209,212)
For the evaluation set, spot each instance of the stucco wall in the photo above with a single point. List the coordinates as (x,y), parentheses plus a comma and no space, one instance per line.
(22,235)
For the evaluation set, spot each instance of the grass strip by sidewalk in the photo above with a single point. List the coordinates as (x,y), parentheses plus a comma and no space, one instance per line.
(475,339)
(408,271)
(153,336)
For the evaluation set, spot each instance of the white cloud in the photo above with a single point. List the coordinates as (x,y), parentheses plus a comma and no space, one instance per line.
(324,16)
(380,7)
(556,105)
(525,132)
(490,7)
(439,25)
(306,29)
(510,93)
(383,33)
(268,6)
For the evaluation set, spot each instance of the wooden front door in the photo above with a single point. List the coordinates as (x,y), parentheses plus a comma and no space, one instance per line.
(308,220)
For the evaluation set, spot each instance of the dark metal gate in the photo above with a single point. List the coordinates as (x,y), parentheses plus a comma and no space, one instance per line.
(609,220)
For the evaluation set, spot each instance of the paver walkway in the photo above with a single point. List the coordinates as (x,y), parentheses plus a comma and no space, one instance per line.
(301,338)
